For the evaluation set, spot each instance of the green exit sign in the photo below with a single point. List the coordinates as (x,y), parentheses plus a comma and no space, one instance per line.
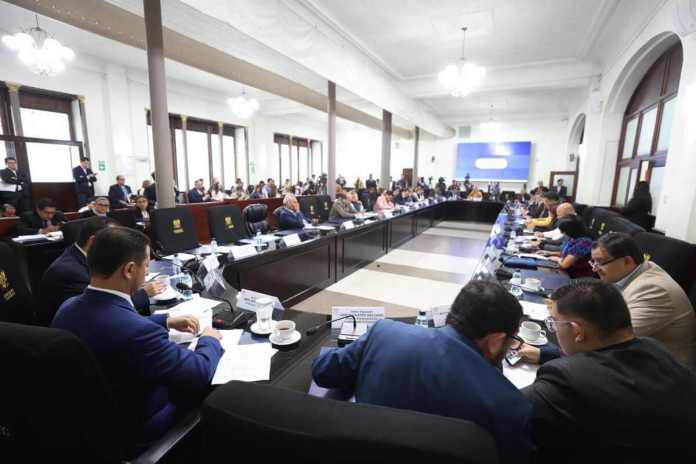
(101,165)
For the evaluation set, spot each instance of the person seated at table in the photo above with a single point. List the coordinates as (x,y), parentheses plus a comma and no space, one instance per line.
(341,209)
(449,371)
(216,192)
(553,239)
(536,206)
(143,210)
(613,394)
(475,194)
(155,382)
(198,194)
(100,208)
(290,216)
(418,194)
(8,210)
(551,201)
(658,305)
(574,257)
(255,192)
(68,275)
(355,203)
(88,206)
(384,201)
(239,194)
(398,197)
(406,194)
(43,220)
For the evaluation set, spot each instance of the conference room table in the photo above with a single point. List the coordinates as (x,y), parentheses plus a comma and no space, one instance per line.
(294,273)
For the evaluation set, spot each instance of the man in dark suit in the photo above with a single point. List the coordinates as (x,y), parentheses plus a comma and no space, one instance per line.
(68,275)
(151,191)
(13,186)
(370,183)
(613,394)
(155,381)
(449,371)
(84,181)
(100,208)
(197,194)
(119,193)
(43,220)
(560,189)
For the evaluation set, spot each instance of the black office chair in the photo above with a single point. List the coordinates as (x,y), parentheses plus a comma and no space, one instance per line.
(77,421)
(173,230)
(15,293)
(621,224)
(599,219)
(124,217)
(366,201)
(226,224)
(324,204)
(294,426)
(675,256)
(71,230)
(255,219)
(308,206)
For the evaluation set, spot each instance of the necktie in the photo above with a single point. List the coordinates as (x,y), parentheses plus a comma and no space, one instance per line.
(45,223)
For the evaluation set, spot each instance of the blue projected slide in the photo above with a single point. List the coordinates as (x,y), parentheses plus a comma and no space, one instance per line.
(503,161)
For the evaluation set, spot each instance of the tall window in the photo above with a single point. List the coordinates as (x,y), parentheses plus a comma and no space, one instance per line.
(298,157)
(647,126)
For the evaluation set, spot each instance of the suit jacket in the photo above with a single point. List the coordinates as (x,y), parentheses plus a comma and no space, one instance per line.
(89,213)
(116,196)
(371,184)
(340,212)
(194,196)
(289,219)
(562,191)
(84,183)
(66,277)
(154,381)
(436,371)
(16,180)
(151,193)
(629,400)
(30,223)
(138,215)
(660,309)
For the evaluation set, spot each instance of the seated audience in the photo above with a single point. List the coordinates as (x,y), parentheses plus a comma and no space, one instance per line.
(8,210)
(384,201)
(88,206)
(142,210)
(216,192)
(577,245)
(398,197)
(119,194)
(659,307)
(355,203)
(255,192)
(341,209)
(43,220)
(449,371)
(536,206)
(198,194)
(100,208)
(68,275)
(290,215)
(155,382)
(551,201)
(613,395)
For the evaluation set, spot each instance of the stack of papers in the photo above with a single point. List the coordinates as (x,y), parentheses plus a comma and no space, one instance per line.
(29,238)
(200,308)
(183,257)
(248,363)
(536,311)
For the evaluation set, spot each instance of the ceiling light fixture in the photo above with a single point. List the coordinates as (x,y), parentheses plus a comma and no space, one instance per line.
(243,107)
(461,78)
(39,51)
(491,128)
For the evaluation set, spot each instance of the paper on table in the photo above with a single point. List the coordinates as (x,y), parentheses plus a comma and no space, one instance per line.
(224,249)
(264,238)
(183,257)
(200,308)
(230,339)
(536,311)
(26,238)
(248,363)
(521,374)
(366,315)
(534,256)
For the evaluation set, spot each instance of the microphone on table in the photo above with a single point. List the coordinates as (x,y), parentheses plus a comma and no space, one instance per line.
(183,287)
(316,328)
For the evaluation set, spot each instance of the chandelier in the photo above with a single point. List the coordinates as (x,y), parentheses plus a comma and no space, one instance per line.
(460,79)
(39,51)
(243,107)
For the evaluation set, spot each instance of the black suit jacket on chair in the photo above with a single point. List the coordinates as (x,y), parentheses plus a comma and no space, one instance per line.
(116,196)
(84,183)
(68,276)
(30,223)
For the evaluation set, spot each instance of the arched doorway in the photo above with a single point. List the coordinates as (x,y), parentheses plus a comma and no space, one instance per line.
(646,129)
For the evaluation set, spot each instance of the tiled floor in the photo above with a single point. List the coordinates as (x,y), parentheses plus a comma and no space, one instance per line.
(426,271)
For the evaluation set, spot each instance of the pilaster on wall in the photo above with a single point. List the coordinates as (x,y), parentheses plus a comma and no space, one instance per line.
(117,102)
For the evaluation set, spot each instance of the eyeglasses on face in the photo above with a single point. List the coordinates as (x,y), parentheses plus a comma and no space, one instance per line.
(552,324)
(597,264)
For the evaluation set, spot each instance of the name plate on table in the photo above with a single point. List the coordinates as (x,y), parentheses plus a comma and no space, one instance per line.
(246,299)
(244,251)
(388,214)
(347,225)
(364,315)
(292,240)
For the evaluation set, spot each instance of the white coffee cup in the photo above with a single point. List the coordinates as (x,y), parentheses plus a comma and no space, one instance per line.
(283,330)
(532,283)
(264,313)
(531,331)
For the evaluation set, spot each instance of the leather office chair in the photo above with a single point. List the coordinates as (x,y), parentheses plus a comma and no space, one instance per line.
(294,426)
(173,230)
(324,204)
(77,421)
(599,219)
(15,293)
(71,230)
(621,224)
(226,224)
(255,219)
(676,257)
(124,217)
(367,202)
(645,220)
(308,206)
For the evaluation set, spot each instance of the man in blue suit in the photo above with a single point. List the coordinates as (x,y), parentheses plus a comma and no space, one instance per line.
(84,181)
(119,193)
(68,275)
(154,381)
(449,371)
(290,216)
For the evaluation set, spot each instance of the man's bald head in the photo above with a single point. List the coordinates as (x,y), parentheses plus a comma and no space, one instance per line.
(565,209)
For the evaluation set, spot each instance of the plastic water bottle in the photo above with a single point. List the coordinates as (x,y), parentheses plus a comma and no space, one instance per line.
(258,242)
(176,264)
(516,278)
(213,246)
(513,234)
(422,319)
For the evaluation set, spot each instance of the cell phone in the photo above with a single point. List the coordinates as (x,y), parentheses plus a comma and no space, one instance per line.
(512,357)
